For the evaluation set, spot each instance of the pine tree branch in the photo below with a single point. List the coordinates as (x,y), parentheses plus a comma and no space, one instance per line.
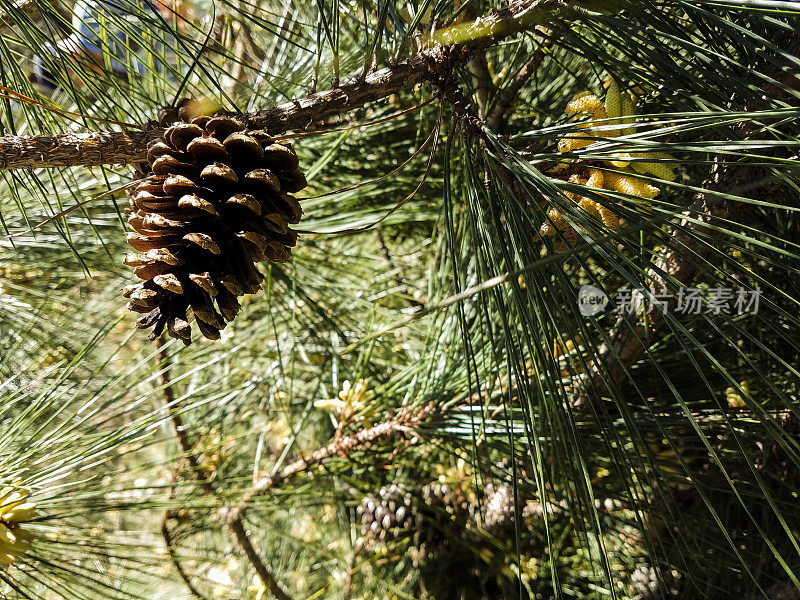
(405,421)
(264,572)
(234,523)
(402,423)
(124,147)
(176,421)
(691,243)
(94,149)
(74,149)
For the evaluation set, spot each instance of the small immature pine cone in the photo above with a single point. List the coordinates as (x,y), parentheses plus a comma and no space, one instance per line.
(500,508)
(217,199)
(424,515)
(389,516)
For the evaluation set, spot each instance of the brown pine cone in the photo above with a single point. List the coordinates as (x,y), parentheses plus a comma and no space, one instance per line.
(217,200)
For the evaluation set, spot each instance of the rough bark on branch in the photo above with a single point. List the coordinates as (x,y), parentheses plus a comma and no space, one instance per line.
(122,147)
(94,149)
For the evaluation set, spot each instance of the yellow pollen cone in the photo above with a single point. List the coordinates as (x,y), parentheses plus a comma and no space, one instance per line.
(583,102)
(630,185)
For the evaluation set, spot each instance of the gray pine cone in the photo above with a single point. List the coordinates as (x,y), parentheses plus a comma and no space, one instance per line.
(426,515)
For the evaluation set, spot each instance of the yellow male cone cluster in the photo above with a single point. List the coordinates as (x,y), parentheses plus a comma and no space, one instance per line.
(556,221)
(14,511)
(618,109)
(661,170)
(586,102)
(352,402)
(613,104)
(628,110)
(582,102)
(733,398)
(563,348)
(630,186)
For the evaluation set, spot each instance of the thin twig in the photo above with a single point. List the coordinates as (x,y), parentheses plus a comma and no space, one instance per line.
(234,523)
(398,278)
(176,421)
(509,93)
(406,421)
(264,572)
(123,147)
(173,555)
(348,576)
(481,81)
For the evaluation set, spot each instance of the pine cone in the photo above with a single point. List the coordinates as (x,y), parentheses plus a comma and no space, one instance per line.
(499,508)
(389,516)
(426,515)
(217,199)
(442,513)
(645,584)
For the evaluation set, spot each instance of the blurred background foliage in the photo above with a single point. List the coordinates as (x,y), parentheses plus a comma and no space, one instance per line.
(677,481)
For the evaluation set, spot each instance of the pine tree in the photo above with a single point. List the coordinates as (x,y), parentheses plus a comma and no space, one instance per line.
(536,337)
